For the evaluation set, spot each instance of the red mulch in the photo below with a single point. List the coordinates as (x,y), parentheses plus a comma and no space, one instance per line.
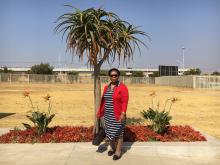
(132,133)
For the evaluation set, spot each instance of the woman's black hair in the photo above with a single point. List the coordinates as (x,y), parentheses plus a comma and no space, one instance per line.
(114,69)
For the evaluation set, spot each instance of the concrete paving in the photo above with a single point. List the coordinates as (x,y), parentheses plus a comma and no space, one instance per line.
(145,153)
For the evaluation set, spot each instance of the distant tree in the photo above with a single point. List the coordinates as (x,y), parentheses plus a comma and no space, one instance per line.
(193,71)
(216,73)
(137,74)
(103,73)
(73,76)
(28,72)
(155,74)
(73,73)
(43,68)
(122,73)
(5,70)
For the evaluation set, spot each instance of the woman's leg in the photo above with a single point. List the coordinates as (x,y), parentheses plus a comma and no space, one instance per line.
(112,145)
(118,146)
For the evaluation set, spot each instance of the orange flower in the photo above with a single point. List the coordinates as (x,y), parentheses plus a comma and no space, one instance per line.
(26,93)
(153,93)
(47,97)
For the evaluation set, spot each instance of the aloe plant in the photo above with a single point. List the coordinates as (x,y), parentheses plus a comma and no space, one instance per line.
(159,119)
(40,120)
(101,36)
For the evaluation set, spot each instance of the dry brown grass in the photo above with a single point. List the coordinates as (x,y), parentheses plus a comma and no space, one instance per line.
(73,104)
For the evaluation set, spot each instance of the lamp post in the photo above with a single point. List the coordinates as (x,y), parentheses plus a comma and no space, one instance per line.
(180,63)
(183,54)
(59,61)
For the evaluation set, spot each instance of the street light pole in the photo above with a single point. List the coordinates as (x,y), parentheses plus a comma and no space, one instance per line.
(180,63)
(183,53)
(59,59)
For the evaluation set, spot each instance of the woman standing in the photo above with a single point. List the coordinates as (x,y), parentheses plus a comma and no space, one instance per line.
(113,107)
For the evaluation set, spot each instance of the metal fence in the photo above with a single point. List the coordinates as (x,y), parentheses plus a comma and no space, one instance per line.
(207,82)
(190,81)
(67,79)
(181,81)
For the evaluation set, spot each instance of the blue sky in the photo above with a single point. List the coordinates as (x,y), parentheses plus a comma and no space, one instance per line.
(27,38)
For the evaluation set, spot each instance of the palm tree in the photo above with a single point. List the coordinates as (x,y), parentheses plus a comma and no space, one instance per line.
(101,36)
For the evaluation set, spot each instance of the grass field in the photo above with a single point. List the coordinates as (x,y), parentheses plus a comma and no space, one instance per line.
(73,104)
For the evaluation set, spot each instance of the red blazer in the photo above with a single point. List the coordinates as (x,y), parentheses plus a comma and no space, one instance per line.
(120,101)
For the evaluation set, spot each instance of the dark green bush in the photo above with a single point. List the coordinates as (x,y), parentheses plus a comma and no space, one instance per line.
(41,69)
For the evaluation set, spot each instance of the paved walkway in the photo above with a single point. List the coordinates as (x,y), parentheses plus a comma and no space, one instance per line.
(144,153)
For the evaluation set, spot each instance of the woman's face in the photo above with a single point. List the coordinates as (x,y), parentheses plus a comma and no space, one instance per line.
(114,76)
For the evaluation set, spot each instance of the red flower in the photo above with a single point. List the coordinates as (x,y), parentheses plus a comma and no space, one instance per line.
(84,134)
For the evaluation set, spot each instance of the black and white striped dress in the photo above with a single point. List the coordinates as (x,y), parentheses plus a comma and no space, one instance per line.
(113,128)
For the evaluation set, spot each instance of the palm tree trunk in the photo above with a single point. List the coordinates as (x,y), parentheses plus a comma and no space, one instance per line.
(97,95)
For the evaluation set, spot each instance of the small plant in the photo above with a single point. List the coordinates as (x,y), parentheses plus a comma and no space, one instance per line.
(16,128)
(41,120)
(159,119)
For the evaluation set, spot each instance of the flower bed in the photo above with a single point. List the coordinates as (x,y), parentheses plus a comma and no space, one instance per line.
(133,133)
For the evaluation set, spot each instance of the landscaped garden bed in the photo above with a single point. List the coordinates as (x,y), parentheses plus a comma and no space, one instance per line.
(133,133)
(159,128)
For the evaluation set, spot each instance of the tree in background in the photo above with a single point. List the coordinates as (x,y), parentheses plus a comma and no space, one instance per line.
(73,73)
(103,73)
(216,73)
(41,69)
(100,36)
(73,76)
(155,74)
(137,74)
(5,70)
(122,73)
(193,71)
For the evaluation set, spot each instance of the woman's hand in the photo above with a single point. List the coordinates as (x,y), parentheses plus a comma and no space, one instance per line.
(122,117)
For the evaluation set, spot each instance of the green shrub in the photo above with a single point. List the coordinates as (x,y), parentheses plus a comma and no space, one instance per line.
(193,71)
(103,73)
(73,73)
(41,69)
(216,73)
(5,70)
(137,74)
(155,74)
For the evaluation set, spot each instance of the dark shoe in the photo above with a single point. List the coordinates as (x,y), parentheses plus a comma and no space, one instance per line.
(110,153)
(116,157)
